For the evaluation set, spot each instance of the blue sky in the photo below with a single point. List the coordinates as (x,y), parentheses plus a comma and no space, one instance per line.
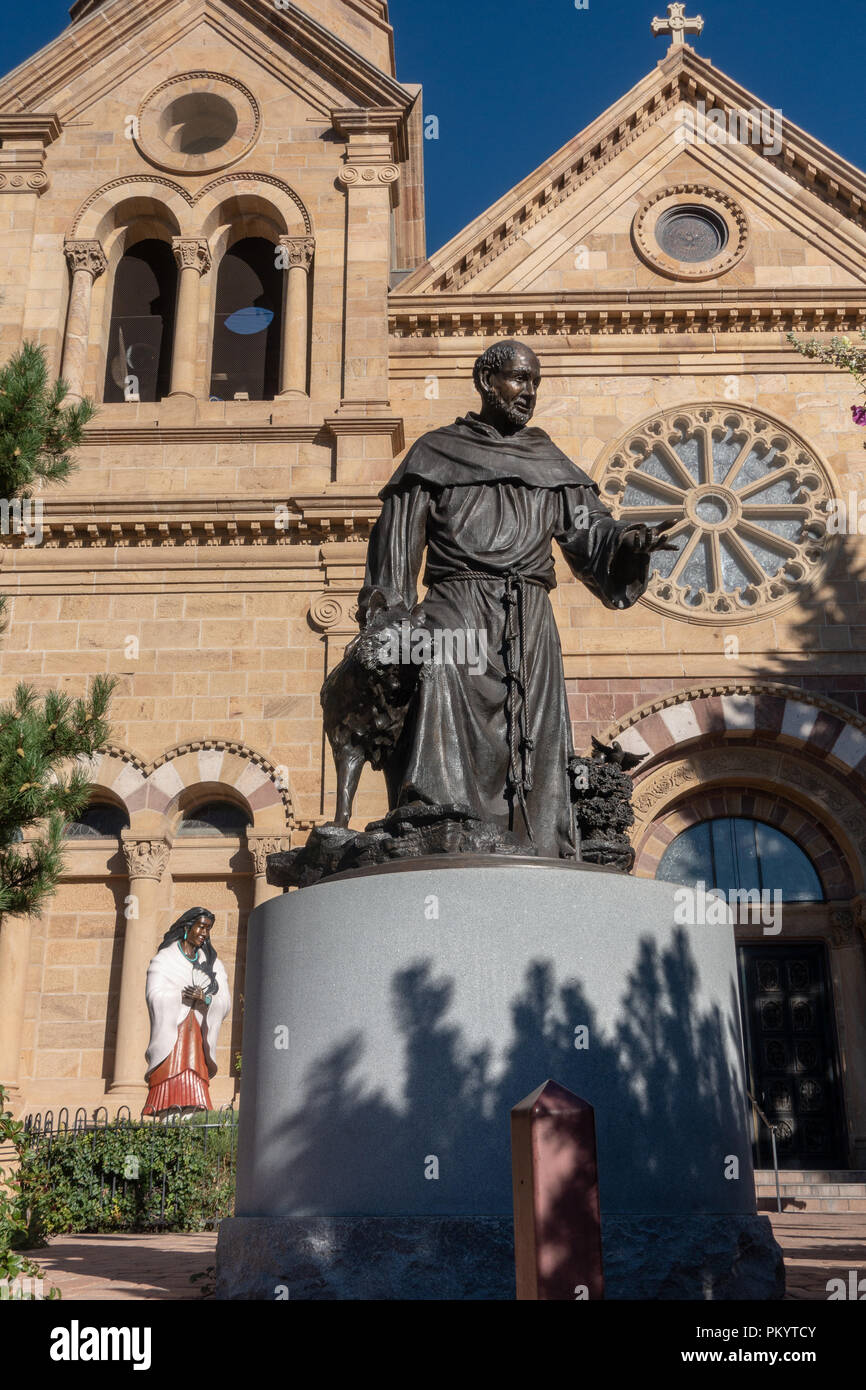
(512,80)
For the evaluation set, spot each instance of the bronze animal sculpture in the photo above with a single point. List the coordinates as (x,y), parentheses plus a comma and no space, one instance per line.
(365,698)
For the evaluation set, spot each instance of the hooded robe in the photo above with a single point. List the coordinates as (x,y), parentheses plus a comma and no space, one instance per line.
(483,502)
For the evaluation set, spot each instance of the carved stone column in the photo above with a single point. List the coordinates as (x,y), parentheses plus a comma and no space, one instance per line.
(15,933)
(147,861)
(87,262)
(260,846)
(194,260)
(293,367)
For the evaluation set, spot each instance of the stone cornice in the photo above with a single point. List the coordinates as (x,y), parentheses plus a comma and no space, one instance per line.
(567,313)
(682,77)
(387,122)
(130,522)
(44,126)
(147,436)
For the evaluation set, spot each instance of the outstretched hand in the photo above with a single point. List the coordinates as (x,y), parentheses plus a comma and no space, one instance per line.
(644,540)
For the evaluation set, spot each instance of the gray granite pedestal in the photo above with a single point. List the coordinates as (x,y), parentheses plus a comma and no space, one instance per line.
(393,1018)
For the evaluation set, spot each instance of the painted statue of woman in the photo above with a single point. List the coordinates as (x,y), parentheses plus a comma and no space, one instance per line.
(188,998)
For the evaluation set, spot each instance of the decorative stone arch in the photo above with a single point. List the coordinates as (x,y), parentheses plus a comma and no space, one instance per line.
(149,790)
(195,214)
(802,756)
(251,192)
(763,713)
(99,215)
(249,777)
(117,772)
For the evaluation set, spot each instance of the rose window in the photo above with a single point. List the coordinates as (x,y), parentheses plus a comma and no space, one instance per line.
(749,502)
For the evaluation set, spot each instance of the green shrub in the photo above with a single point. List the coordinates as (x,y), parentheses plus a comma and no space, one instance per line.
(135,1176)
(15,1232)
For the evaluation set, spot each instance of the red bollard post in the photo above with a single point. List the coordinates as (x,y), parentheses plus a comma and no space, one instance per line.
(557,1219)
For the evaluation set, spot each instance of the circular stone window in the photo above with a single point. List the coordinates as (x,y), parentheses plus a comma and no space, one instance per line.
(197,123)
(691,232)
(749,500)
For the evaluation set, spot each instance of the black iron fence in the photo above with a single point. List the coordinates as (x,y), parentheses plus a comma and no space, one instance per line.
(174,1172)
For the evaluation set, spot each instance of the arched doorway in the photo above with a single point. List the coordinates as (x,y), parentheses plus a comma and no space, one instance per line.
(786,994)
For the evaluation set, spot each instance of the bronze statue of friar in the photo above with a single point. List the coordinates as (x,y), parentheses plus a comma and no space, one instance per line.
(486,740)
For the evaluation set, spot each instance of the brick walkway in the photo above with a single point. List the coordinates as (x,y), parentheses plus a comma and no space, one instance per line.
(817,1246)
(127,1267)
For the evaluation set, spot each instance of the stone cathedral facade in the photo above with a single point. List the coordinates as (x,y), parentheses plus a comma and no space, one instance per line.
(212,216)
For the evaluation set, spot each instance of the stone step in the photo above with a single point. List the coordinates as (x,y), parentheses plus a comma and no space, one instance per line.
(846,1175)
(812,1189)
(814,1204)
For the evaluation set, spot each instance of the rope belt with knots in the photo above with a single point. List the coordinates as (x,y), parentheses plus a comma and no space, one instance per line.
(519,718)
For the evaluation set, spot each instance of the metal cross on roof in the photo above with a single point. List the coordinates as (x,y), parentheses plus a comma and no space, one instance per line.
(677,25)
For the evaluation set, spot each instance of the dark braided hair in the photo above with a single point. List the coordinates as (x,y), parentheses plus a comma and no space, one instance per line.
(178,930)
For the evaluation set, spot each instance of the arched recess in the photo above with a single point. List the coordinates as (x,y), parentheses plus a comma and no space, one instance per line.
(132,222)
(802,751)
(260,236)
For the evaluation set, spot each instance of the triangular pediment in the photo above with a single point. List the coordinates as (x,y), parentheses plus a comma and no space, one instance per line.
(525,243)
(113,40)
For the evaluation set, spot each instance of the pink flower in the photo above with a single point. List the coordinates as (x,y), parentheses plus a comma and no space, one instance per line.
(859,414)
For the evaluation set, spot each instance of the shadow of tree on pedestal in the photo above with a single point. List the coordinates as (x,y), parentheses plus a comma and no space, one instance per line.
(665,1096)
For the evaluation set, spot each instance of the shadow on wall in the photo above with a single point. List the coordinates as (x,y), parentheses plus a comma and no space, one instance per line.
(665,1097)
(828,622)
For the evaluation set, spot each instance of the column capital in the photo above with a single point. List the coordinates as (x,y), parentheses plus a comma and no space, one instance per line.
(353,174)
(85,255)
(191,253)
(260,846)
(146,858)
(300,251)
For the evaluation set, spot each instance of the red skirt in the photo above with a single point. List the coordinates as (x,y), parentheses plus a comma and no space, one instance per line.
(182,1079)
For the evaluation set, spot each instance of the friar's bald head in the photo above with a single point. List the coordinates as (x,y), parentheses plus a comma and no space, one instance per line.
(508,375)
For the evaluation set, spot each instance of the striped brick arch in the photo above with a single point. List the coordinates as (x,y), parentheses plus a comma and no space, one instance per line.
(144,788)
(767,752)
(762,714)
(822,851)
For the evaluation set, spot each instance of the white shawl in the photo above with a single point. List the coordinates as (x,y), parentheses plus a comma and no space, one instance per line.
(168,973)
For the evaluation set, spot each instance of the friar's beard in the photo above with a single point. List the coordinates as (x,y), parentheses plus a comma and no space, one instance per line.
(509,416)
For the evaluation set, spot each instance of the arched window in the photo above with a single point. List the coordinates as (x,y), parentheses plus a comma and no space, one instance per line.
(734,853)
(99,821)
(248,323)
(142,324)
(214,818)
